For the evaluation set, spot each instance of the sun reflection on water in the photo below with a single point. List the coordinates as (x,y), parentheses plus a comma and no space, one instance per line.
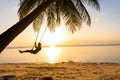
(52,52)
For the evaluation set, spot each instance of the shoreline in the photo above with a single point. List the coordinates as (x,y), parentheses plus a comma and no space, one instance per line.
(62,62)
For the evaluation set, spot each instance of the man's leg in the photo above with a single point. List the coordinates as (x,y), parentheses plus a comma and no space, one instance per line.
(25,51)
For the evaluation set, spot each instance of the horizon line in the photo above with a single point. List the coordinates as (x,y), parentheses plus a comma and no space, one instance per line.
(66,45)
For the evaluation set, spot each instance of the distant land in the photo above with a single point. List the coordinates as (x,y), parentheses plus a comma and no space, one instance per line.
(67,45)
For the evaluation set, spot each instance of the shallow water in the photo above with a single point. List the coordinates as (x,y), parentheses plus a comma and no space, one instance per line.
(61,54)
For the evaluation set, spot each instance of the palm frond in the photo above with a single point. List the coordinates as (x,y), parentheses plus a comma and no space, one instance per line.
(27,6)
(74,23)
(38,22)
(93,3)
(57,12)
(71,15)
(53,15)
(73,12)
(83,12)
(51,19)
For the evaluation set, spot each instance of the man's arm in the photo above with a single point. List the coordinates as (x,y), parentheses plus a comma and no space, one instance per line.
(35,45)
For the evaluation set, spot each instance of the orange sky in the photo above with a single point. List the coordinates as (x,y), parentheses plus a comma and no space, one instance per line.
(104,29)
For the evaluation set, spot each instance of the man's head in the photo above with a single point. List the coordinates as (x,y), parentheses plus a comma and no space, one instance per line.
(39,44)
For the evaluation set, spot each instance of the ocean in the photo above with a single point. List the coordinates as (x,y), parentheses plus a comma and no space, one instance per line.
(81,53)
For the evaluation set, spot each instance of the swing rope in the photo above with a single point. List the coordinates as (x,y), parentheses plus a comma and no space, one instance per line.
(40,38)
(43,34)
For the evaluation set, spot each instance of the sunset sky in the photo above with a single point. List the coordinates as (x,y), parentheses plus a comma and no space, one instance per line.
(105,26)
(105,29)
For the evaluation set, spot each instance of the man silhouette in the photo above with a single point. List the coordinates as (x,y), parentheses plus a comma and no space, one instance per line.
(33,51)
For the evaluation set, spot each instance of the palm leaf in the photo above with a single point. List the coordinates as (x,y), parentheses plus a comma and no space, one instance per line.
(51,19)
(83,12)
(73,12)
(92,3)
(27,6)
(38,22)
(71,16)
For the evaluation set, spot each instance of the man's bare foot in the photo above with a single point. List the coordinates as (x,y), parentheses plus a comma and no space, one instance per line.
(20,51)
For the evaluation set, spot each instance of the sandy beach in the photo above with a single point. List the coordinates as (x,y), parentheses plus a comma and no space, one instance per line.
(60,71)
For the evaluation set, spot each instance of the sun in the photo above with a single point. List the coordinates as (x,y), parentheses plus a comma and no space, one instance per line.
(53,38)
(52,52)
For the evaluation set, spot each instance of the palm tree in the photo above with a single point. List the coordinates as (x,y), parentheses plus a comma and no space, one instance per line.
(74,13)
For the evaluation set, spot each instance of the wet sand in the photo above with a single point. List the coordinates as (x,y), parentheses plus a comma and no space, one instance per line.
(60,71)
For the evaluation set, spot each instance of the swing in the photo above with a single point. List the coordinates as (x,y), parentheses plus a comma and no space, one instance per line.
(37,47)
(40,38)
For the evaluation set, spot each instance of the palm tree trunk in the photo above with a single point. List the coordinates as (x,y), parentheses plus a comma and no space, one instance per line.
(9,35)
